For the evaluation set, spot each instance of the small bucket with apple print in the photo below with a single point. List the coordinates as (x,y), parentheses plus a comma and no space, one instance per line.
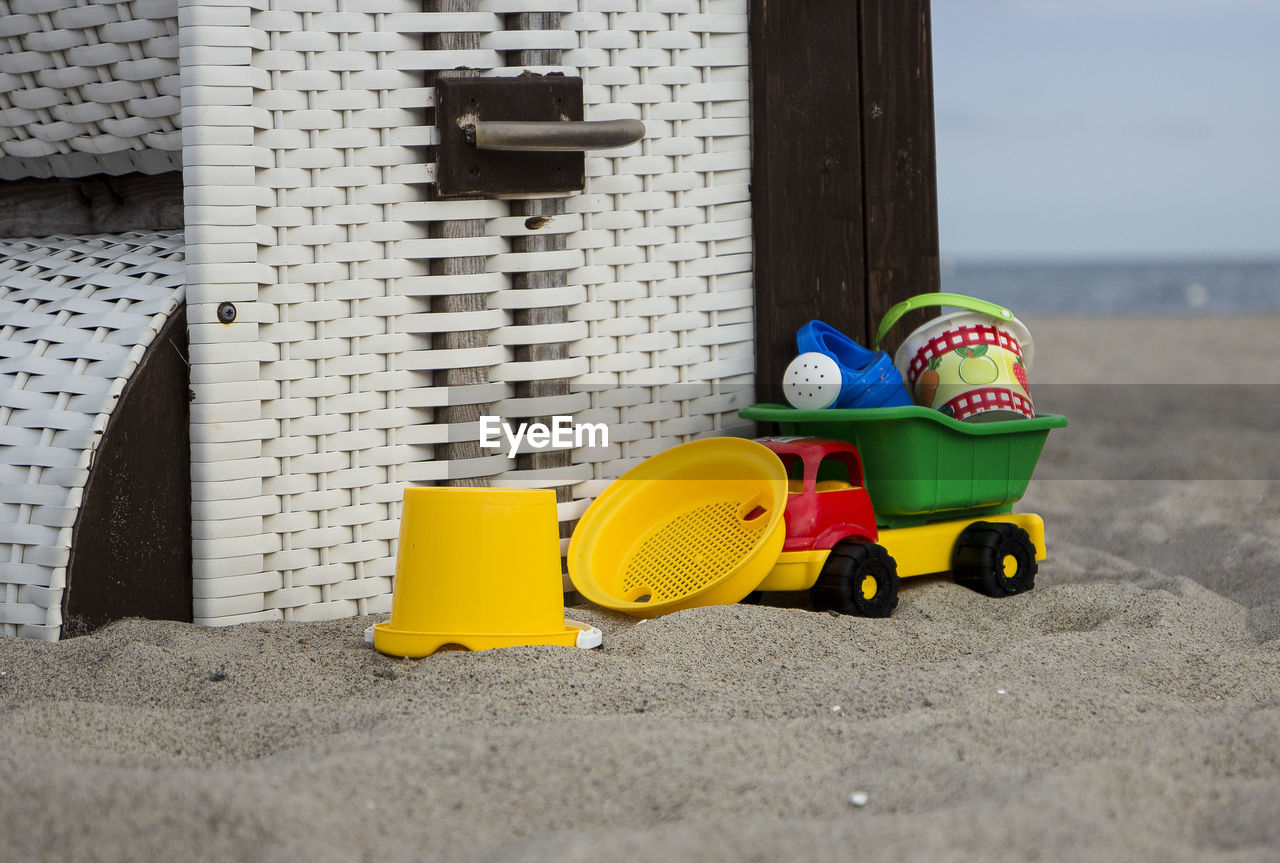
(970,364)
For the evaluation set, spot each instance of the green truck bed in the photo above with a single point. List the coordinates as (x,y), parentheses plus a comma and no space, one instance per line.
(921,465)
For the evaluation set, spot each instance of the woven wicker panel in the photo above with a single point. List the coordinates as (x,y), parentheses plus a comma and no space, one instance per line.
(666,227)
(374,324)
(89,87)
(76,317)
(304,165)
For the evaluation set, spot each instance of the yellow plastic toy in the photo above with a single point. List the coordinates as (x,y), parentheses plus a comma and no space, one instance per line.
(479,568)
(699,524)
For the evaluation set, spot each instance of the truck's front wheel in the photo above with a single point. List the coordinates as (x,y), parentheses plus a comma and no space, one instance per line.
(858,578)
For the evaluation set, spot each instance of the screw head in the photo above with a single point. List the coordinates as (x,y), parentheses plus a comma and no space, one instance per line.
(226,312)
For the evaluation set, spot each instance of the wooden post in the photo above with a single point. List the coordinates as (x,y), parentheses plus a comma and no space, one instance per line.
(131,543)
(900,189)
(844,190)
(96,204)
(544,209)
(459,266)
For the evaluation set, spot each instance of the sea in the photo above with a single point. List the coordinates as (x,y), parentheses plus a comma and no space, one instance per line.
(1121,287)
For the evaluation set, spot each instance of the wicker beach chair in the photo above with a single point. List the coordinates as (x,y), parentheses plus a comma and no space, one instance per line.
(347,327)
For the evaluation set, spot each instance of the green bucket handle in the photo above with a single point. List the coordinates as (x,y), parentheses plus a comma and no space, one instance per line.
(960,301)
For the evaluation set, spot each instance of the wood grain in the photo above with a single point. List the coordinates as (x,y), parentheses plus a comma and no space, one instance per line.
(806,185)
(844,190)
(458,377)
(900,178)
(536,209)
(98,204)
(131,544)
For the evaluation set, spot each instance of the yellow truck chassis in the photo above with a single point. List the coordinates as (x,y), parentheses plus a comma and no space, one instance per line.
(921,550)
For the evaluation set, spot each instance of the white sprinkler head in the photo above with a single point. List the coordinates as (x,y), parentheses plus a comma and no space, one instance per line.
(812,382)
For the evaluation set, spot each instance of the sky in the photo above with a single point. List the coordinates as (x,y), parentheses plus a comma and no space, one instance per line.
(1107,128)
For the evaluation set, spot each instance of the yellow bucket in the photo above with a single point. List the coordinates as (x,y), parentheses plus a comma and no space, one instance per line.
(478,568)
(699,524)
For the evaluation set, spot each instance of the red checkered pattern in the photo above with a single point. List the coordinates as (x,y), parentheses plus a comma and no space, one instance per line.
(960,337)
(989,399)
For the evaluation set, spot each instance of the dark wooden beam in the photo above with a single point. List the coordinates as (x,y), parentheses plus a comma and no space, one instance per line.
(457,451)
(900,183)
(844,198)
(806,176)
(99,204)
(546,210)
(131,544)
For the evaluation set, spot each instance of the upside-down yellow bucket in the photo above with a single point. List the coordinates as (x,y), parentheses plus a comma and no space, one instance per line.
(479,568)
(700,524)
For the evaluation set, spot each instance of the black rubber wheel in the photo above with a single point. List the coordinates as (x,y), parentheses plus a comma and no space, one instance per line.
(995,558)
(858,578)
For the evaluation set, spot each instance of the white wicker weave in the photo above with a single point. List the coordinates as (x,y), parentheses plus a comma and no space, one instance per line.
(76,316)
(306,169)
(305,136)
(88,87)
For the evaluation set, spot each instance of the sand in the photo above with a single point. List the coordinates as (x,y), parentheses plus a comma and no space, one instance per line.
(1126,709)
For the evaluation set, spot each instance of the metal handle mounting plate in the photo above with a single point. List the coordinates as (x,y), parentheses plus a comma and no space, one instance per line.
(463,170)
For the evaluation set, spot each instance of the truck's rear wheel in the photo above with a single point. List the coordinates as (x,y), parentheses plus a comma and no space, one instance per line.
(995,558)
(858,578)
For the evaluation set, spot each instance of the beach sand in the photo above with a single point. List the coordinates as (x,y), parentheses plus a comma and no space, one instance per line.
(1126,709)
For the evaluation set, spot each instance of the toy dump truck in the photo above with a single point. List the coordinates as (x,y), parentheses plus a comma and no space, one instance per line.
(881,494)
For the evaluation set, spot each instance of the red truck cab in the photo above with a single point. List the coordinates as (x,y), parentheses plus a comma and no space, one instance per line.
(826,500)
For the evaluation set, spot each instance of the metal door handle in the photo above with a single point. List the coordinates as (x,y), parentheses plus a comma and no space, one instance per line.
(569,135)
